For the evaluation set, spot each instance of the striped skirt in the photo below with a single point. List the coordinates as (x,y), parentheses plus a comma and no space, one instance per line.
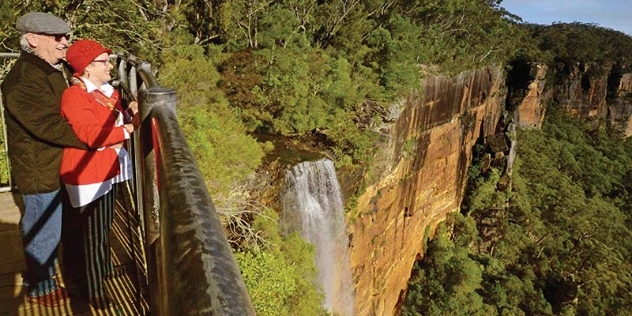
(93,259)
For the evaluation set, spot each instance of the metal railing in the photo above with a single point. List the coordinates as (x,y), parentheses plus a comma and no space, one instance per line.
(190,266)
(194,263)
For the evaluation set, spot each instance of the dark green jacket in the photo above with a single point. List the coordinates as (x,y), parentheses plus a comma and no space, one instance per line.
(36,131)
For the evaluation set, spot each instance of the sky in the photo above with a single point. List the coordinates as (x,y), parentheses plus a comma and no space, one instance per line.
(612,14)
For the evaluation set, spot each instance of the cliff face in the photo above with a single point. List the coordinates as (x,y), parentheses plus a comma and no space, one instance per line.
(620,109)
(584,96)
(581,95)
(420,179)
(588,97)
(530,106)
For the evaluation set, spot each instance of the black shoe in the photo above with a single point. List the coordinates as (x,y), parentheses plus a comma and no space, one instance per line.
(55,298)
(76,288)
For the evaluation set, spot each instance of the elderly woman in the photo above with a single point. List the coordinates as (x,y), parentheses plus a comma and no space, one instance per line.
(93,109)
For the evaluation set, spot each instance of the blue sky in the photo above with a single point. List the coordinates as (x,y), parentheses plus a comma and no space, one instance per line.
(612,14)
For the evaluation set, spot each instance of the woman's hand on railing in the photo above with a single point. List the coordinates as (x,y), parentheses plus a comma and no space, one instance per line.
(133,107)
(130,127)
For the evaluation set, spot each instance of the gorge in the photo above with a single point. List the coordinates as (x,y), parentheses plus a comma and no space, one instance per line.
(421,163)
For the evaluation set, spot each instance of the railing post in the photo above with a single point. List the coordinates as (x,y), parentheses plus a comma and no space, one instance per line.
(148,99)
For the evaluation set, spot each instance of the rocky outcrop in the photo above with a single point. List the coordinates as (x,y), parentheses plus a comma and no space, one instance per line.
(620,109)
(625,86)
(419,178)
(583,93)
(597,94)
(530,106)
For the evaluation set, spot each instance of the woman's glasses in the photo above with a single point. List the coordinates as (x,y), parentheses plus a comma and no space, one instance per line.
(105,62)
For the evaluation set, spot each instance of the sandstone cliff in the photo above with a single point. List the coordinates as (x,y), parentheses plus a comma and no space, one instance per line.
(529,97)
(583,95)
(620,109)
(597,97)
(420,179)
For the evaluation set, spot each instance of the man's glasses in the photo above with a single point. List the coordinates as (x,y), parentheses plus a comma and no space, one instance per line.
(57,37)
(105,62)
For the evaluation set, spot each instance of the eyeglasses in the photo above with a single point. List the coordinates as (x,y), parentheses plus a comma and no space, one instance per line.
(105,62)
(57,37)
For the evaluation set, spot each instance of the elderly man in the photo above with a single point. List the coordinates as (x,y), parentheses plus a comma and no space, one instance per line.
(37,135)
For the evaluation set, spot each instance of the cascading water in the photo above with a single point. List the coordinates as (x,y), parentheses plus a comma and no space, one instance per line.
(313,203)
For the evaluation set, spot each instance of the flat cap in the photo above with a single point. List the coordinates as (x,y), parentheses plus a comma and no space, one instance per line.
(42,23)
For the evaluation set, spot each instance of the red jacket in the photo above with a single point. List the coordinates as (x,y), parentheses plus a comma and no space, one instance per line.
(94,125)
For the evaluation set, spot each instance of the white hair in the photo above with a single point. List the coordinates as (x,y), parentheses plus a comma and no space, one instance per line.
(26,46)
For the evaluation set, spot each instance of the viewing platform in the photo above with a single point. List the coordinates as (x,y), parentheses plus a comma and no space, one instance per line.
(123,287)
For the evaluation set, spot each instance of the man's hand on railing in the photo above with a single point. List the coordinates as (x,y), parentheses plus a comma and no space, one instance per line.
(117,146)
(132,110)
(136,120)
(131,127)
(131,117)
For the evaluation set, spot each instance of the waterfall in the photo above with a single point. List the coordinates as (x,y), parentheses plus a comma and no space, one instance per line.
(313,205)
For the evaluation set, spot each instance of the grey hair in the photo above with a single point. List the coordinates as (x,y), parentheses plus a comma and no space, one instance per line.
(26,46)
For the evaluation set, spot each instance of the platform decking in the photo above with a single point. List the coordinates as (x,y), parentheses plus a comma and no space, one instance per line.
(123,288)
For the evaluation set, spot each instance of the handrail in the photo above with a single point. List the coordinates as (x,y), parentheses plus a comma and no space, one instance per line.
(188,250)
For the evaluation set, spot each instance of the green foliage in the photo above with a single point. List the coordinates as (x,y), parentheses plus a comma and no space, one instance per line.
(446,282)
(459,35)
(268,281)
(295,93)
(394,51)
(225,155)
(281,279)
(584,43)
(585,237)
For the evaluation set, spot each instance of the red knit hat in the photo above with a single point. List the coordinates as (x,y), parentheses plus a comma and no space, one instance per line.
(82,52)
